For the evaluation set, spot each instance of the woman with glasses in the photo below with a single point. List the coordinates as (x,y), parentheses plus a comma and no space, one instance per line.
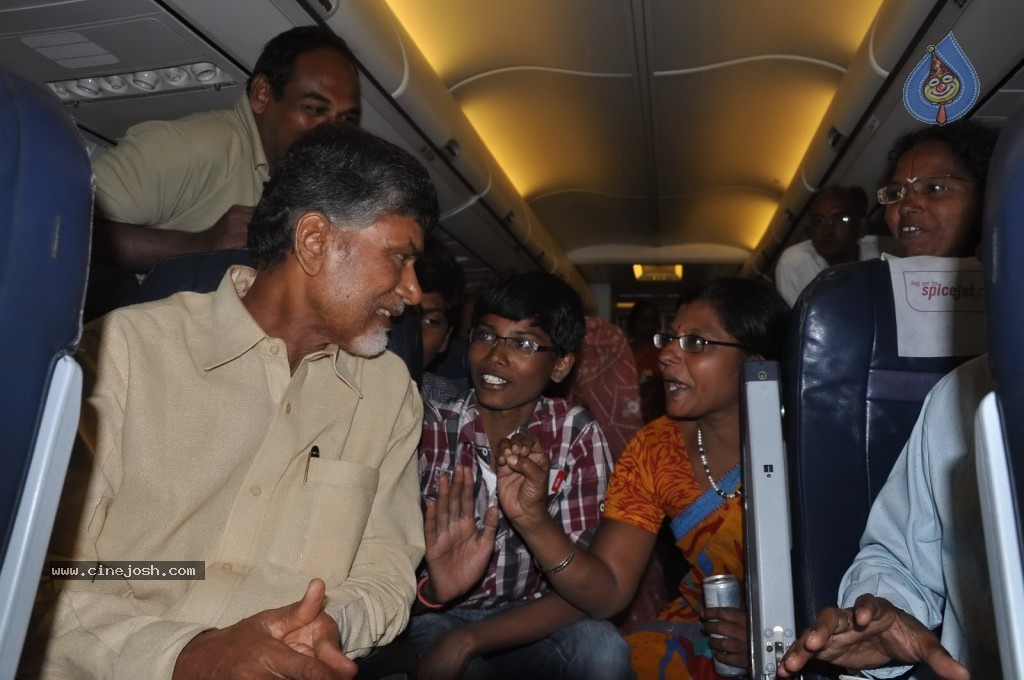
(684,467)
(936,183)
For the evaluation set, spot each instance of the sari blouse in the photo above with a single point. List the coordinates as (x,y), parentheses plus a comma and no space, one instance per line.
(654,479)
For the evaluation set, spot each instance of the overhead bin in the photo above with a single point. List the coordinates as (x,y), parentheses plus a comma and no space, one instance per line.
(489,210)
(894,29)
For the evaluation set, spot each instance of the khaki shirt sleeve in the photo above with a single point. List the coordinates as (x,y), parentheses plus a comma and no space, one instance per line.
(372,606)
(154,173)
(94,628)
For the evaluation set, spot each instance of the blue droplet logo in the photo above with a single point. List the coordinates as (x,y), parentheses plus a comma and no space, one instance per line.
(944,86)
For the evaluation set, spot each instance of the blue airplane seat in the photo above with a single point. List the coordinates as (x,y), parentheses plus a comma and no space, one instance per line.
(202,272)
(45,234)
(999,434)
(850,403)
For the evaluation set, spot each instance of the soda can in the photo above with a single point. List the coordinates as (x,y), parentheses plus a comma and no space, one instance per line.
(723,590)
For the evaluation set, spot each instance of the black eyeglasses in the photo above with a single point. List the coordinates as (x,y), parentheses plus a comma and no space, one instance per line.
(929,187)
(835,221)
(521,346)
(694,344)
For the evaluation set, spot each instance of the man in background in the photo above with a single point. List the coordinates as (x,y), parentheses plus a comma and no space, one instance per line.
(189,185)
(444,293)
(836,221)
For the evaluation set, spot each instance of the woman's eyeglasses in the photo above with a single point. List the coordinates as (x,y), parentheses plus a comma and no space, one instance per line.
(523,346)
(693,344)
(928,187)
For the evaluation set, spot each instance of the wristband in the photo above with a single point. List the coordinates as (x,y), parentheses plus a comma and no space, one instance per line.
(423,600)
(564,563)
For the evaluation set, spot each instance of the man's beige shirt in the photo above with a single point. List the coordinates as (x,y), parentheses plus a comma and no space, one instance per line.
(193,445)
(183,174)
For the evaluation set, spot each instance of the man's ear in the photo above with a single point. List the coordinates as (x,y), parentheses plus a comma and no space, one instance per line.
(563,365)
(260,94)
(313,234)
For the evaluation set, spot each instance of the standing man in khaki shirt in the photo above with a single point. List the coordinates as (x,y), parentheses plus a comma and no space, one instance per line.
(263,430)
(172,187)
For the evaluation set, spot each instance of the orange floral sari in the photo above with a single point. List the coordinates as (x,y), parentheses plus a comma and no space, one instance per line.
(652,480)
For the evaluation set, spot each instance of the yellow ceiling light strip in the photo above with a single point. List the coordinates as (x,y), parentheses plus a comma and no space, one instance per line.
(658,272)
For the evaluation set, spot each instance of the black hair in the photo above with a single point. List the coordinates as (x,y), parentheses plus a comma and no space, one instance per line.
(350,175)
(277,60)
(751,311)
(634,314)
(971,142)
(855,196)
(438,272)
(542,299)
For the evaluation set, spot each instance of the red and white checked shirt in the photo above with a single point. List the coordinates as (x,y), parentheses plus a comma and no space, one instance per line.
(580,466)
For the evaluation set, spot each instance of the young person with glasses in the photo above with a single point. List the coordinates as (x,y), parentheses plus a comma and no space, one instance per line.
(684,466)
(934,189)
(487,610)
(837,219)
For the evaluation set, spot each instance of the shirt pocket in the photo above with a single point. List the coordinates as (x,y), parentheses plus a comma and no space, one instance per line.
(322,522)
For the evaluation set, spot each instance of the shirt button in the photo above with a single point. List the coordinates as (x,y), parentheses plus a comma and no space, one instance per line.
(288,407)
(226,566)
(274,349)
(256,490)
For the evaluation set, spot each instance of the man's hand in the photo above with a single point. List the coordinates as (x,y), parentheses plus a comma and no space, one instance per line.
(523,479)
(230,231)
(298,641)
(448,658)
(871,634)
(457,556)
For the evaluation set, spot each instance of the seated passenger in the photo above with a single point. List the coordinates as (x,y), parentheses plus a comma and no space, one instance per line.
(686,466)
(644,321)
(262,431)
(605,382)
(526,329)
(922,562)
(172,187)
(444,292)
(936,181)
(836,220)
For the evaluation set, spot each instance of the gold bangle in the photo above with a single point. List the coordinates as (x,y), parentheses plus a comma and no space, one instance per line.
(564,563)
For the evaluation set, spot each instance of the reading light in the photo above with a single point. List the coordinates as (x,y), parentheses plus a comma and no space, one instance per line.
(658,272)
(198,76)
(90,87)
(204,71)
(145,80)
(173,75)
(115,84)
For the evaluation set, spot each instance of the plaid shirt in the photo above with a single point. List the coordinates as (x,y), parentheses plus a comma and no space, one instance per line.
(580,466)
(437,388)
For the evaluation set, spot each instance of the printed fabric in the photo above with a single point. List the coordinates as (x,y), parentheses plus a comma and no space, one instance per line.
(653,480)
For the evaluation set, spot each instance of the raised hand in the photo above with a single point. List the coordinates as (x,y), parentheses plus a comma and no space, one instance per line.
(873,633)
(457,555)
(298,641)
(523,479)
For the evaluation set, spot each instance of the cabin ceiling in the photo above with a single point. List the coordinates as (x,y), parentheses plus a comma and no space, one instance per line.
(644,131)
(594,134)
